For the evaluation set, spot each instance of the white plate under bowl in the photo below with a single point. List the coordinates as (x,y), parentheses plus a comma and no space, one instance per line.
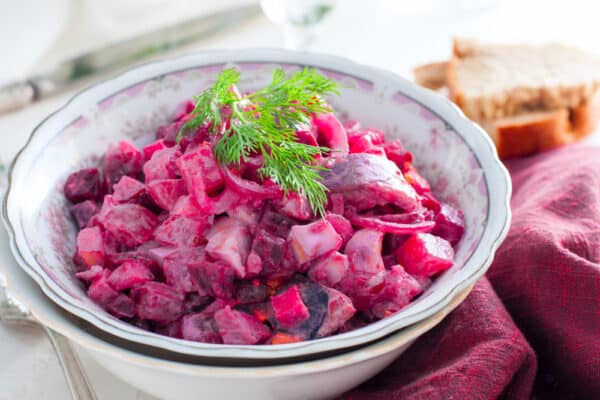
(454,154)
(173,378)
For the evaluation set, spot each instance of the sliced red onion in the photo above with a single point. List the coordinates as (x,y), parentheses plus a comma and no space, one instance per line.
(249,188)
(391,227)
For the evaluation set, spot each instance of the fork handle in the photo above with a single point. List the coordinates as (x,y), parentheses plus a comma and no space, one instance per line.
(76,378)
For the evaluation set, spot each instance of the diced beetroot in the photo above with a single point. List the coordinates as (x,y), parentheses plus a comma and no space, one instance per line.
(365,289)
(354,131)
(251,292)
(157,302)
(246,214)
(366,141)
(200,164)
(224,201)
(400,287)
(341,225)
(249,168)
(172,329)
(359,144)
(83,212)
(316,299)
(330,270)
(88,275)
(339,310)
(113,248)
(159,253)
(356,322)
(196,302)
(425,254)
(449,224)
(396,153)
(176,267)
(266,254)
(116,303)
(120,160)
(275,223)
(216,305)
(295,206)
(313,240)
(152,148)
(165,192)
(186,206)
(237,327)
(336,203)
(200,327)
(289,308)
(84,184)
(180,231)
(116,259)
(389,260)
(90,246)
(416,180)
(331,133)
(391,243)
(364,251)
(128,189)
(228,241)
(162,165)
(108,205)
(213,278)
(306,136)
(430,202)
(377,150)
(129,274)
(131,224)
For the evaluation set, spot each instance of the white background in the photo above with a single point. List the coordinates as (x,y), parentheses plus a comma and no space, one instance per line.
(393,34)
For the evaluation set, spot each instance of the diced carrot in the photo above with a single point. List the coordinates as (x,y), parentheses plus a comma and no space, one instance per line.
(283,338)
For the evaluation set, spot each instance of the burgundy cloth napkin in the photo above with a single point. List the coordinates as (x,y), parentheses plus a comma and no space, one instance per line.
(541,308)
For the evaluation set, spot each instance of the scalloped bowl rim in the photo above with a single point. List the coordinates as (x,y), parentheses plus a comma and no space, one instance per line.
(494,233)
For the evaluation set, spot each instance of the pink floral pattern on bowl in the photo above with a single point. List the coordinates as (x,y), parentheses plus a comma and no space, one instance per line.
(456,157)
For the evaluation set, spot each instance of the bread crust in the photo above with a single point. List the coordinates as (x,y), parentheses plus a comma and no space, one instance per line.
(584,118)
(522,120)
(521,136)
(535,132)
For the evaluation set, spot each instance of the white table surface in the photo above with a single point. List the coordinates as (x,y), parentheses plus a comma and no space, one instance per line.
(394,34)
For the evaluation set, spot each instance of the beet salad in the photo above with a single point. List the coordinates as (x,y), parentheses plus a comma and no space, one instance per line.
(259,218)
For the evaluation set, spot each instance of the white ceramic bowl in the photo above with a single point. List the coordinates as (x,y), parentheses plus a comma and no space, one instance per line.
(174,378)
(453,153)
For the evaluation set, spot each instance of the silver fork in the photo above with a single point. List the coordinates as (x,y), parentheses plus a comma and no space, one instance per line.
(11,311)
(14,313)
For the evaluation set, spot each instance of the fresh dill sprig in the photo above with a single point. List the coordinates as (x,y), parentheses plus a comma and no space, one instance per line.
(265,122)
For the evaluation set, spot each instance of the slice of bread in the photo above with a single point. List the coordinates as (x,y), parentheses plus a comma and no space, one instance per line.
(495,81)
(528,98)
